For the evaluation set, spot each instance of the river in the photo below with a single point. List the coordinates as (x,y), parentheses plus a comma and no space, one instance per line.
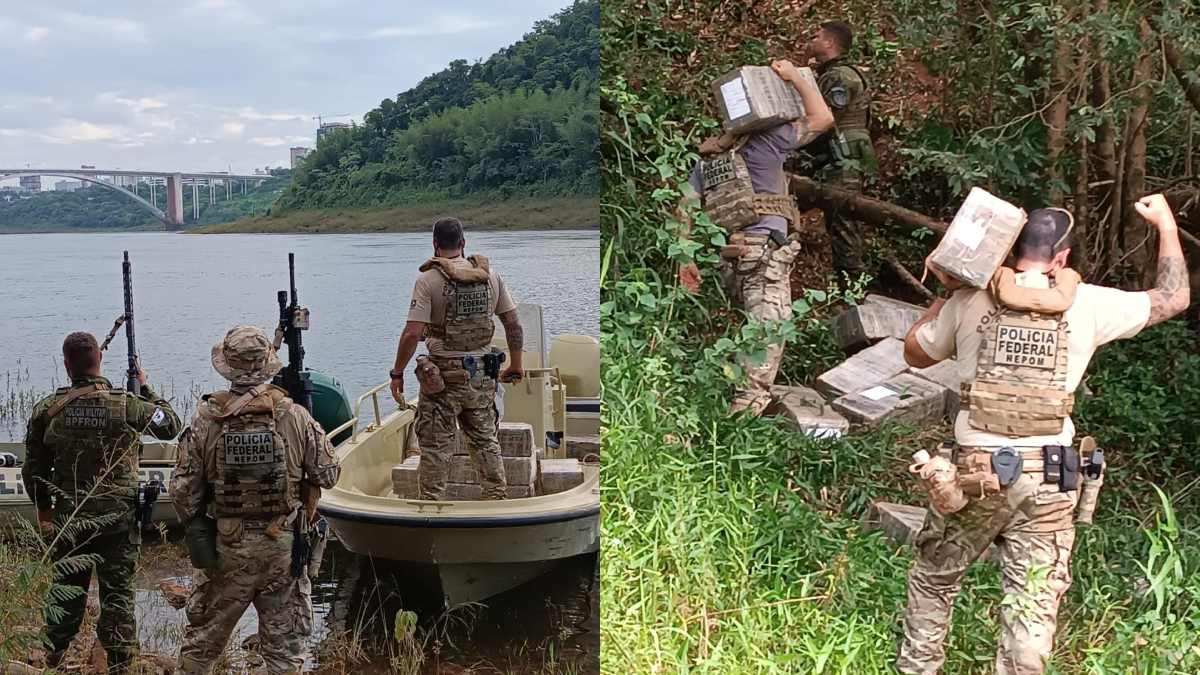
(190,289)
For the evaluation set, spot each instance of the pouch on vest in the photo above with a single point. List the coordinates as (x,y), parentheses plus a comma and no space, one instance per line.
(1070,470)
(1052,460)
(1007,464)
(201,542)
(429,376)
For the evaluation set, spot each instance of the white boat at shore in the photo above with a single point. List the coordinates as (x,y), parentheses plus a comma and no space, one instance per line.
(476,549)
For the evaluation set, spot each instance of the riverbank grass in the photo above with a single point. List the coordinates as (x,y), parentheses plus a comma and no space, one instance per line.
(556,213)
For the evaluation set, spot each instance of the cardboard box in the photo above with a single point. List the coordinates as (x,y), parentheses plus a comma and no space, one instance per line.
(406,482)
(807,412)
(864,325)
(903,398)
(517,470)
(865,369)
(470,492)
(559,475)
(516,439)
(978,239)
(753,98)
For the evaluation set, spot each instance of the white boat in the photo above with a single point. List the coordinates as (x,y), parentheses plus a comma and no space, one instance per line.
(474,549)
(158,458)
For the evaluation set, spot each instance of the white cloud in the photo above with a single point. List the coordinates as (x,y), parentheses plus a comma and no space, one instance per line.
(138,105)
(71,130)
(111,29)
(37,33)
(443,24)
(233,128)
(268,141)
(257,116)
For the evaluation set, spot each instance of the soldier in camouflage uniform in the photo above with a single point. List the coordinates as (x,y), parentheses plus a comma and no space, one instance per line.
(244,461)
(85,440)
(1023,345)
(453,302)
(751,202)
(848,146)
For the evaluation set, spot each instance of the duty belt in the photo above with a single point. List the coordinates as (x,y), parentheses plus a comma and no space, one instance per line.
(972,458)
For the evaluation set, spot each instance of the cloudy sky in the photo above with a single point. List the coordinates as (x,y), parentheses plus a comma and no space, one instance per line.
(199,85)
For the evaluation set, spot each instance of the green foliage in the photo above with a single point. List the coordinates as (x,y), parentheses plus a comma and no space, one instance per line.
(521,123)
(735,545)
(97,208)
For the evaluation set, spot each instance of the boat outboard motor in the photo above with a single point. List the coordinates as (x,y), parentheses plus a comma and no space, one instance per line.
(7,459)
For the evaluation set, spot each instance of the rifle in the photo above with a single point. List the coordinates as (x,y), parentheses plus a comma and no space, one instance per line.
(126,319)
(308,531)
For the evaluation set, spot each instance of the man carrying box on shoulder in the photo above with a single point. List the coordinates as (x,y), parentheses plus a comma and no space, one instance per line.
(1024,344)
(742,187)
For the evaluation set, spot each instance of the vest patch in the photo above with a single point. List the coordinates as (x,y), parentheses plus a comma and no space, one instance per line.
(717,170)
(249,447)
(85,416)
(472,300)
(1026,346)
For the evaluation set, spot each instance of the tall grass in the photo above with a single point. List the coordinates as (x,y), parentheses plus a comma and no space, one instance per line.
(737,546)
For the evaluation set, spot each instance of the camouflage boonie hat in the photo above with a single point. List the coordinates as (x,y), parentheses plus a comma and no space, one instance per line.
(246,357)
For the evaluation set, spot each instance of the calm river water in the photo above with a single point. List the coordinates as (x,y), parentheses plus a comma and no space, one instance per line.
(190,289)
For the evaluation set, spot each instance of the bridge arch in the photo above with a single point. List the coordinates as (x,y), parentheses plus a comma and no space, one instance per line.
(158,213)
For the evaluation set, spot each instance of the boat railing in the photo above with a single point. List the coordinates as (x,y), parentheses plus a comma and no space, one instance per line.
(352,423)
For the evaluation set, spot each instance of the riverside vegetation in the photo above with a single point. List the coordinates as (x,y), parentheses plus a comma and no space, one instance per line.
(737,545)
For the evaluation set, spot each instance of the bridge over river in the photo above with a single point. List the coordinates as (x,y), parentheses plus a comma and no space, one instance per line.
(126,182)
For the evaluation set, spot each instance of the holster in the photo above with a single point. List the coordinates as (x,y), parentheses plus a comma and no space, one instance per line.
(201,541)
(429,376)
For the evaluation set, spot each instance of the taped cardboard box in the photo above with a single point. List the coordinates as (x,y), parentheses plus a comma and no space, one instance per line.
(903,398)
(807,412)
(870,322)
(978,239)
(517,470)
(865,369)
(753,98)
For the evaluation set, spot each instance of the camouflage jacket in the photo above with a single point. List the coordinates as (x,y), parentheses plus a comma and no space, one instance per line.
(90,448)
(848,96)
(310,456)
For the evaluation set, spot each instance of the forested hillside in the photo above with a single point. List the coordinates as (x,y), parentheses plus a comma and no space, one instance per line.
(523,122)
(734,545)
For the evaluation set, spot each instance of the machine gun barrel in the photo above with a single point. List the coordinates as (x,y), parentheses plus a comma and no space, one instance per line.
(293,378)
(131,382)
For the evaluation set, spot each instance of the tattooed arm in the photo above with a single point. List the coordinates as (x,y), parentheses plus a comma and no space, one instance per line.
(1171,293)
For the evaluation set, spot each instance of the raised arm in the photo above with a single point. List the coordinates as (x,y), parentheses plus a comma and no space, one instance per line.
(1171,293)
(819,118)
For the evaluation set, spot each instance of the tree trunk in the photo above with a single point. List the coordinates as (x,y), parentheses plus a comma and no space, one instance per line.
(1136,230)
(1060,105)
(1175,62)
(1082,235)
(810,194)
(1105,150)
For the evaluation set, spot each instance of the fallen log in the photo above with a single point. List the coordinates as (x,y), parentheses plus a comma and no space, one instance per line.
(813,194)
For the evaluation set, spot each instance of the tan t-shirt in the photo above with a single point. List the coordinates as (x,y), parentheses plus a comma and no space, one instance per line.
(429,302)
(1098,316)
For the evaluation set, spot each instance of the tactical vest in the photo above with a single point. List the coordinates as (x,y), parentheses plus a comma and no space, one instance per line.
(728,195)
(1020,386)
(251,461)
(466,325)
(95,449)
(855,115)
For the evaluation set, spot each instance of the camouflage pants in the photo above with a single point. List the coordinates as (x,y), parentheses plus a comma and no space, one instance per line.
(117,627)
(1033,526)
(252,568)
(472,406)
(844,234)
(759,281)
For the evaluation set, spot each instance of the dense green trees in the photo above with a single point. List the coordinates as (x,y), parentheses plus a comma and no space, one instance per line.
(522,122)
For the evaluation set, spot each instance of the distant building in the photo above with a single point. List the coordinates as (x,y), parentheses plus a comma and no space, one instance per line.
(327,128)
(68,185)
(31,183)
(298,154)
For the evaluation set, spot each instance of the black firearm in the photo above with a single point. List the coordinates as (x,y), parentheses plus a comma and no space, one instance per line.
(126,319)
(292,319)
